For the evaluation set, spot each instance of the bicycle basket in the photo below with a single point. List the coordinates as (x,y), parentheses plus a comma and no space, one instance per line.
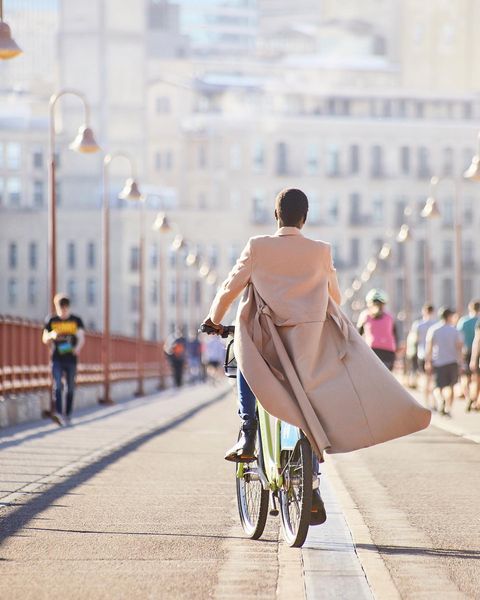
(230,365)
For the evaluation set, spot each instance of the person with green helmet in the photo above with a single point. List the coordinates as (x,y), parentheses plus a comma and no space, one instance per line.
(378,327)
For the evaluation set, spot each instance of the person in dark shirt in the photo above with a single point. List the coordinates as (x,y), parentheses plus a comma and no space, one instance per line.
(64,334)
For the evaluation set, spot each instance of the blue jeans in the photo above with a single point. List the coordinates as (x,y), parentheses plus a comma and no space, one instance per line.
(247,410)
(59,368)
(246,399)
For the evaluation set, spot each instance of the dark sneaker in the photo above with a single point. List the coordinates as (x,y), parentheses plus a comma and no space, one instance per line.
(244,449)
(319,514)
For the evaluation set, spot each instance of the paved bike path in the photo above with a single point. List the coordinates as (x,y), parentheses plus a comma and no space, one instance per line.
(135,501)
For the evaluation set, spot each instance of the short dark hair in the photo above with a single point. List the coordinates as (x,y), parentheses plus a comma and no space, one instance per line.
(474,305)
(291,206)
(61,300)
(444,313)
(428,308)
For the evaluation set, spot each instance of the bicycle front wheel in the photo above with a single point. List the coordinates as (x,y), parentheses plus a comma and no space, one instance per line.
(296,493)
(252,498)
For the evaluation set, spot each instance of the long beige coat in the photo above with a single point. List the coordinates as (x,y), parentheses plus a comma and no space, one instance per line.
(303,359)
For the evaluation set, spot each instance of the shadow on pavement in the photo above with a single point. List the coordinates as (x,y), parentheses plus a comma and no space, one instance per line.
(83,414)
(16,520)
(418,551)
(148,533)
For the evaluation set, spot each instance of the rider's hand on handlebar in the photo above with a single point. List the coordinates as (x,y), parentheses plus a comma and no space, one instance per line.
(212,325)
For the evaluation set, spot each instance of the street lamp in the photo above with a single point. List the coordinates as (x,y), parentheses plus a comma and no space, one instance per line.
(8,46)
(473,171)
(178,245)
(132,193)
(84,143)
(430,211)
(162,226)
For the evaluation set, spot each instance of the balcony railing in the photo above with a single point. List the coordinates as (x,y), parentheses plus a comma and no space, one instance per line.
(24,359)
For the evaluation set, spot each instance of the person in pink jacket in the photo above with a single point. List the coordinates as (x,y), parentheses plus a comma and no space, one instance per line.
(378,327)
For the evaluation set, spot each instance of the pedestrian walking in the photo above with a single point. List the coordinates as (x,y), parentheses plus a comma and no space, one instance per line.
(176,350)
(443,356)
(466,325)
(214,357)
(419,332)
(378,327)
(64,333)
(475,366)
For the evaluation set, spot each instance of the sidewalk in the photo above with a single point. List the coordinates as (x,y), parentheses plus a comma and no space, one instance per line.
(461,423)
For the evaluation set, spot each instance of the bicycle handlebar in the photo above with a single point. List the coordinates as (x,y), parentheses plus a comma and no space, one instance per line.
(229,330)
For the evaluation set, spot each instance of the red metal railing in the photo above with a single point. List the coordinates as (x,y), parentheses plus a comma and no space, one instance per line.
(24,359)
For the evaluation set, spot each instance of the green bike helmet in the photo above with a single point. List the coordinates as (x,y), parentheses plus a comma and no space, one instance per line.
(376,295)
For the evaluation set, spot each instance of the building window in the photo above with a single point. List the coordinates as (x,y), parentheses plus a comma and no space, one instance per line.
(423,171)
(333,161)
(281,158)
(91,292)
(12,255)
(162,104)
(259,208)
(172,292)
(91,255)
(405,160)
(2,191)
(213,256)
(37,159)
(33,255)
(14,191)
(333,210)
(72,290)
(258,157)
(154,292)
(354,159)
(12,291)
(448,162)
(377,168)
(447,213)
(134,258)
(153,331)
(153,256)
(198,293)
(447,292)
(158,161)
(71,255)
(14,156)
(447,254)
(168,160)
(38,193)
(186,292)
(312,159)
(354,252)
(355,209)
(377,211)
(32,292)
(233,254)
(134,298)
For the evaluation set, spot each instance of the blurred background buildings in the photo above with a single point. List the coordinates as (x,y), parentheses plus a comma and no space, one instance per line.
(222,104)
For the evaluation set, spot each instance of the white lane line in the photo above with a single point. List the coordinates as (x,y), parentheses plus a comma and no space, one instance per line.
(441,423)
(332,569)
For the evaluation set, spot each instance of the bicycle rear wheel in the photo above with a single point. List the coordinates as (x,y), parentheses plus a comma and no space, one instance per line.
(296,493)
(252,498)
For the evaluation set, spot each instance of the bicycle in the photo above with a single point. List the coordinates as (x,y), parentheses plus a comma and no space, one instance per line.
(280,473)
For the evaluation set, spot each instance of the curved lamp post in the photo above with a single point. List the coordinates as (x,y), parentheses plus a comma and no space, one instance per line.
(403,237)
(8,46)
(131,193)
(84,143)
(179,244)
(162,226)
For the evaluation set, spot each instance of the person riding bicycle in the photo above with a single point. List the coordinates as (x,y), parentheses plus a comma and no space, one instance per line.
(303,285)
(378,327)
